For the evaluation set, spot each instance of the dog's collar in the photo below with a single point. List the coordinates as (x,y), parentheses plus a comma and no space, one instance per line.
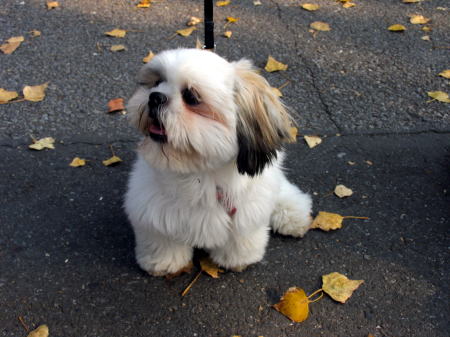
(225,202)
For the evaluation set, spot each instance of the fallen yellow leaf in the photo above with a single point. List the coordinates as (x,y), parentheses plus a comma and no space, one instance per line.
(193,21)
(144,4)
(223,3)
(52,4)
(312,141)
(41,331)
(439,96)
(77,162)
(6,96)
(43,143)
(35,93)
(294,304)
(411,1)
(116,33)
(327,221)
(116,104)
(198,44)
(231,19)
(331,221)
(228,34)
(274,65)
(342,191)
(427,28)
(111,161)
(310,7)
(445,73)
(397,28)
(348,5)
(117,47)
(149,57)
(210,268)
(320,26)
(293,131)
(418,19)
(426,38)
(11,44)
(186,32)
(339,287)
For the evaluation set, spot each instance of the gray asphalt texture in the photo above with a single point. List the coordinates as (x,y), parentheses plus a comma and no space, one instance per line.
(66,248)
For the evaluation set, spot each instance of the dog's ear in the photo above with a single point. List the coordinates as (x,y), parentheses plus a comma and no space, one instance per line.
(262,120)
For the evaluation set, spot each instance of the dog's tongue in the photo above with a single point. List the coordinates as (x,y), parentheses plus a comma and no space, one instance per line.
(157,129)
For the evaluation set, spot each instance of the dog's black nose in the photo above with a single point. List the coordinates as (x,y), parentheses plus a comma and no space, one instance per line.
(156,99)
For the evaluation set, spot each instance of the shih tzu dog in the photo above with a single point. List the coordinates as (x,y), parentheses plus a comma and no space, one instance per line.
(208,172)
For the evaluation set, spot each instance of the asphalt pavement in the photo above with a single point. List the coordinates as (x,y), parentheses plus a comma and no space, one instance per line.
(66,248)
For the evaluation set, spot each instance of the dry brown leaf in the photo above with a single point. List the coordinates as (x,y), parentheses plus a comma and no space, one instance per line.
(112,161)
(210,268)
(397,28)
(35,33)
(11,44)
(35,93)
(186,32)
(223,3)
(312,141)
(342,191)
(320,26)
(439,96)
(149,57)
(445,73)
(43,143)
(116,33)
(52,4)
(116,104)
(274,65)
(193,21)
(117,47)
(310,7)
(77,162)
(40,331)
(418,19)
(339,287)
(293,131)
(6,96)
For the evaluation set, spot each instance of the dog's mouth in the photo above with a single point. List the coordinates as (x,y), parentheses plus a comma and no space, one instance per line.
(157,131)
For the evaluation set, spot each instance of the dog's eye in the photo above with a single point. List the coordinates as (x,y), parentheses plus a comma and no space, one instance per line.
(190,97)
(158,82)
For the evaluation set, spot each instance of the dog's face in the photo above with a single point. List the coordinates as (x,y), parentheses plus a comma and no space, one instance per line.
(199,112)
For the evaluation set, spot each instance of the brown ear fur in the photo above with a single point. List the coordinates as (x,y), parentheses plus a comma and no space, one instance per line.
(263,122)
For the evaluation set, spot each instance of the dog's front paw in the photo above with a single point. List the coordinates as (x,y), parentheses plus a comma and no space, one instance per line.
(290,220)
(169,263)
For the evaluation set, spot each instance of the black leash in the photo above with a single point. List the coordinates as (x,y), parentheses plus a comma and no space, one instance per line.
(209,25)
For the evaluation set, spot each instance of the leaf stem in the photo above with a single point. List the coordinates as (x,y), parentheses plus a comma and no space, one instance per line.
(185,291)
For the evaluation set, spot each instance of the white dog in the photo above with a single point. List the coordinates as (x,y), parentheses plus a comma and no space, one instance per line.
(208,172)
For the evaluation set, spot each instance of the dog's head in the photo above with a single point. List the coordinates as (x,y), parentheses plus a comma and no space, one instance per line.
(200,112)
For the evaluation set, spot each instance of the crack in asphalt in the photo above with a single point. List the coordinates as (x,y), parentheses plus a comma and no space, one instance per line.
(325,107)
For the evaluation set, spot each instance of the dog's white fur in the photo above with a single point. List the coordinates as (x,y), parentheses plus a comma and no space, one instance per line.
(217,182)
